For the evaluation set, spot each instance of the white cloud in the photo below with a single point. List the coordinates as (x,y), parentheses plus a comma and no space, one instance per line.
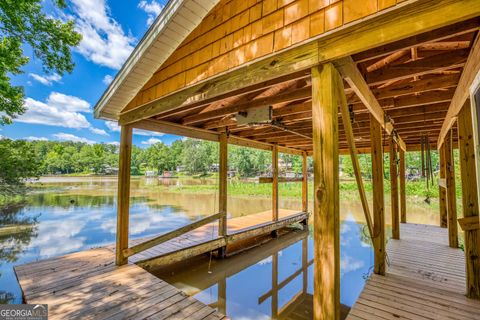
(349,264)
(151,141)
(71,137)
(32,138)
(59,110)
(47,80)
(115,143)
(99,131)
(107,79)
(113,126)
(104,41)
(152,8)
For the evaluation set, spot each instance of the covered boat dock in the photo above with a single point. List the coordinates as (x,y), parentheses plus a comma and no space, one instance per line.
(320,79)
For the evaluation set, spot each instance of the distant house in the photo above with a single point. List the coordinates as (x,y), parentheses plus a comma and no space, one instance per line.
(106,169)
(150,173)
(180,169)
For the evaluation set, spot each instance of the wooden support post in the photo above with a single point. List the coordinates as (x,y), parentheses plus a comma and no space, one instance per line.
(275,183)
(347,125)
(441,190)
(305,182)
(451,192)
(326,230)
(222,188)
(378,198)
(403,193)
(394,189)
(469,199)
(123,198)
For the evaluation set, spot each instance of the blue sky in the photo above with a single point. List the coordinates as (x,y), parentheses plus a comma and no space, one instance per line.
(61,107)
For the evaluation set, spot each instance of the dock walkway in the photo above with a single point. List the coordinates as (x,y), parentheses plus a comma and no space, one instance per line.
(88,284)
(425,279)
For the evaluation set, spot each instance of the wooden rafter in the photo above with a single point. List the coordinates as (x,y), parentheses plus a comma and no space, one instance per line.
(352,75)
(472,68)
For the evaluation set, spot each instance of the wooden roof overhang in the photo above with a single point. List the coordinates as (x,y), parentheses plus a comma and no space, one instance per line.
(408,84)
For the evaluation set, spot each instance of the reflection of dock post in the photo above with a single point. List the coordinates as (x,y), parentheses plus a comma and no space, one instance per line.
(222,296)
(305,264)
(275,285)
(222,189)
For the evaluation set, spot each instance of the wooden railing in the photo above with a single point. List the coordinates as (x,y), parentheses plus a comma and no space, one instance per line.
(280,179)
(169,235)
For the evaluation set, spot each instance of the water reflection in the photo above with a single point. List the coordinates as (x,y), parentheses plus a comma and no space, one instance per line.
(72,214)
(274,280)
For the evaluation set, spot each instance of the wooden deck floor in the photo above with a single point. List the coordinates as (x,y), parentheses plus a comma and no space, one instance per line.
(88,284)
(425,280)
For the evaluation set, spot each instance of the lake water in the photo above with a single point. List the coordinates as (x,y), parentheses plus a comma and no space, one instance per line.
(64,215)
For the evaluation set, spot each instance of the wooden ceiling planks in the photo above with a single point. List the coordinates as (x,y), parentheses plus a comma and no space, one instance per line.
(413,87)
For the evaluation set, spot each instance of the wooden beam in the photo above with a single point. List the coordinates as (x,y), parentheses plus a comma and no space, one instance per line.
(176,129)
(442,33)
(378,194)
(451,193)
(209,135)
(275,183)
(442,190)
(169,235)
(305,182)
(403,194)
(123,207)
(222,184)
(394,189)
(353,155)
(470,71)
(470,205)
(397,23)
(415,68)
(326,297)
(289,96)
(280,179)
(354,78)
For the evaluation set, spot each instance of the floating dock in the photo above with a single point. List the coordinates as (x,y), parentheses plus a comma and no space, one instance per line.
(425,279)
(88,284)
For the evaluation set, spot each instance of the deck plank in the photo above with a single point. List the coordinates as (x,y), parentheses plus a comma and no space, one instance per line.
(425,280)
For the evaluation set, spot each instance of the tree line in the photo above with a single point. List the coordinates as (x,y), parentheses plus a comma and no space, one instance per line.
(23,159)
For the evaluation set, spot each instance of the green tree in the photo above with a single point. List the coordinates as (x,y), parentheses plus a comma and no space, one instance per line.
(23,24)
(17,162)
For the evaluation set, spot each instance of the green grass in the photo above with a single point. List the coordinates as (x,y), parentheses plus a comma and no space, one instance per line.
(348,189)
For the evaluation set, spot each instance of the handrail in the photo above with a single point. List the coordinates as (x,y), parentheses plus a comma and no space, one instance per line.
(280,179)
(168,236)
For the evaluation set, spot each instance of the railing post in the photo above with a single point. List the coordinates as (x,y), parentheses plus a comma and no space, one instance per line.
(443,191)
(378,198)
(305,185)
(451,192)
(222,189)
(469,200)
(394,189)
(326,221)
(403,193)
(275,183)
(123,195)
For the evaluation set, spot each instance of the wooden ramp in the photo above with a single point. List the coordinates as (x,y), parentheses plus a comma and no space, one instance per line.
(425,280)
(88,284)
(205,239)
